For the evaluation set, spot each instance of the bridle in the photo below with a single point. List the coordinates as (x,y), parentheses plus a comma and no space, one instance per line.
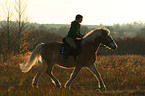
(106,39)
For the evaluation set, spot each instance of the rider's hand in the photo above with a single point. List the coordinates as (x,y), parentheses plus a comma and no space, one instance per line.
(82,36)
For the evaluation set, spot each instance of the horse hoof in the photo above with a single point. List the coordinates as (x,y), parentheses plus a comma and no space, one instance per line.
(67,87)
(35,86)
(103,88)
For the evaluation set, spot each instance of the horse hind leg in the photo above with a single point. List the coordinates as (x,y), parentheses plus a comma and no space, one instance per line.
(40,71)
(53,78)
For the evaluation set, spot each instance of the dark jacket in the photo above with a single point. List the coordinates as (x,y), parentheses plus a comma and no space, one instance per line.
(74,31)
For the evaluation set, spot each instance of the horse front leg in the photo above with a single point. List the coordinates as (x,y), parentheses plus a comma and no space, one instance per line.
(73,75)
(98,76)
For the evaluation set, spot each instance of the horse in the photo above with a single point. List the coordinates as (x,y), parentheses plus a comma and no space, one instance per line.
(49,55)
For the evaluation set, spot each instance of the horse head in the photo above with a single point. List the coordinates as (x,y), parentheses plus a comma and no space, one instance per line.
(104,38)
(107,39)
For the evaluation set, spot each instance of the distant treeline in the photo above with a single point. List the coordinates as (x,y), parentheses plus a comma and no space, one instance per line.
(134,29)
(126,46)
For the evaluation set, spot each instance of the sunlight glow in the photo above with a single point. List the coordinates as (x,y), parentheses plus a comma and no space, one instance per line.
(106,12)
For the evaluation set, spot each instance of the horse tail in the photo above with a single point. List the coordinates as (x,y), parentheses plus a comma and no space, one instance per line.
(35,56)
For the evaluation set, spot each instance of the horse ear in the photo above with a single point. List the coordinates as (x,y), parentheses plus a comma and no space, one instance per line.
(105,33)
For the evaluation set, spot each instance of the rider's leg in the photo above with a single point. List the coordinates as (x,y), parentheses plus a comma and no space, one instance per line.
(71,42)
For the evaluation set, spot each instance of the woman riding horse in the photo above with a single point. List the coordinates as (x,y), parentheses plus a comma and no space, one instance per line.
(87,58)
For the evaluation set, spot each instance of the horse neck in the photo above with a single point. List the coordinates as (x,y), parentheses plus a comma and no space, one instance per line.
(91,46)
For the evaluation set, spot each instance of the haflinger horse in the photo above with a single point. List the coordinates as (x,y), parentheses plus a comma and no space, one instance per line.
(50,56)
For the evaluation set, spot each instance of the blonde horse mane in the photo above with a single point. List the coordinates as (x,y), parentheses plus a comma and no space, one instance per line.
(90,36)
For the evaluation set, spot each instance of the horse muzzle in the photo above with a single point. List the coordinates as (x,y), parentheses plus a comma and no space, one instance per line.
(113,46)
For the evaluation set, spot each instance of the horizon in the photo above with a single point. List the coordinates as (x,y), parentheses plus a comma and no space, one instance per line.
(138,22)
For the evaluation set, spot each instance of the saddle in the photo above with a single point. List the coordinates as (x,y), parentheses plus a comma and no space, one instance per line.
(66,50)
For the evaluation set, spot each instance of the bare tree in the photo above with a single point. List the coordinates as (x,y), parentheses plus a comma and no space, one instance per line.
(7,11)
(20,8)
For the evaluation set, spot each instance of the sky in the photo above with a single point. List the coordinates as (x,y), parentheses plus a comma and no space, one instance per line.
(106,12)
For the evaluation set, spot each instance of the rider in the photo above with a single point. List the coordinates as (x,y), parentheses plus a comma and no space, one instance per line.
(74,31)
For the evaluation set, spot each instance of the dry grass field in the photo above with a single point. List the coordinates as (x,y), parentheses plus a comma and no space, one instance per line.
(124,75)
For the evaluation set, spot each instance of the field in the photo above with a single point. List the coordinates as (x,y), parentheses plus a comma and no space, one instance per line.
(124,75)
